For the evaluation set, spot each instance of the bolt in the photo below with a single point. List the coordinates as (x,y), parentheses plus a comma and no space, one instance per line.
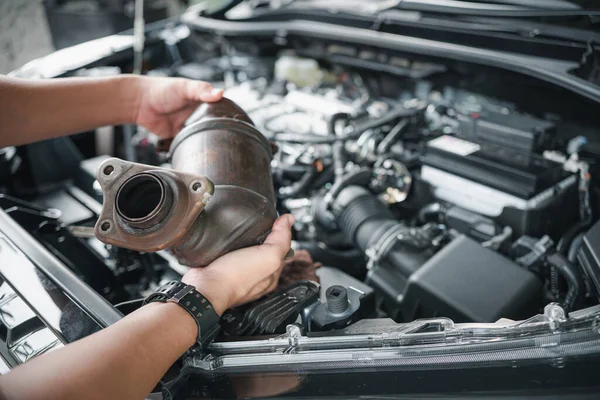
(337,299)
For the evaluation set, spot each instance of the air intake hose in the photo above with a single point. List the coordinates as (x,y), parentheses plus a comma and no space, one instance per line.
(369,224)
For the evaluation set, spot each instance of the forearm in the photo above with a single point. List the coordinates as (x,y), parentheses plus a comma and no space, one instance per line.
(124,361)
(32,110)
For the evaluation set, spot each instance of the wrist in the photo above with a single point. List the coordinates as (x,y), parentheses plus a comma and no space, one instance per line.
(174,315)
(212,290)
(130,89)
(198,306)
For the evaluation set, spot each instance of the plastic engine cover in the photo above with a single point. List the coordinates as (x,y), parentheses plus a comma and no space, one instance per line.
(469,283)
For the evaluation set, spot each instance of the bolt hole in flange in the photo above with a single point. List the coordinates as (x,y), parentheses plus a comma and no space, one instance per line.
(140,197)
(196,186)
(105,226)
(108,170)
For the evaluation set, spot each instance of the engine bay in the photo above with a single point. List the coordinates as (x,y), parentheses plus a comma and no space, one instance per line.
(423,190)
(435,198)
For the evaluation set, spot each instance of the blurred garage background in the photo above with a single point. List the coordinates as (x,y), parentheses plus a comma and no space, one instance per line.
(33,28)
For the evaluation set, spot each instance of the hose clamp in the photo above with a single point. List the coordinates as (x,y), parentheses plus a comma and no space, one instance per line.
(385,243)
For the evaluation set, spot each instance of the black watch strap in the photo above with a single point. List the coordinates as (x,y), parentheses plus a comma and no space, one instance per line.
(194,303)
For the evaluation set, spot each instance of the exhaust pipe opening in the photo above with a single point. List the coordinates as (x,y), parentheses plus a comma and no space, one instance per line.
(143,201)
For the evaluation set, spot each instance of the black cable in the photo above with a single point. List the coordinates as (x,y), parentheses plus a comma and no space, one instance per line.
(357,130)
(299,186)
(585,208)
(350,261)
(585,212)
(359,177)
(338,151)
(324,177)
(393,114)
(554,282)
(307,245)
(575,246)
(333,120)
(565,241)
(392,136)
(572,277)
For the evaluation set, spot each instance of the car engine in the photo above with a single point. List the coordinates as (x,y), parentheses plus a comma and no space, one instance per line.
(421,191)
(434,198)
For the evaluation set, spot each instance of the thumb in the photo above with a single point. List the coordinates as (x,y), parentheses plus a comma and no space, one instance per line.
(280,237)
(201,91)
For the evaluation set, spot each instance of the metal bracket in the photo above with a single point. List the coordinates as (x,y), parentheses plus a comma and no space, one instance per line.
(190,195)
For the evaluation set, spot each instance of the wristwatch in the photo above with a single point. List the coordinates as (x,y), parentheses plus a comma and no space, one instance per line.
(195,304)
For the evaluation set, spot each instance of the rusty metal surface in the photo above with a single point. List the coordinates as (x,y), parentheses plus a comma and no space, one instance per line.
(229,150)
(219,145)
(222,144)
